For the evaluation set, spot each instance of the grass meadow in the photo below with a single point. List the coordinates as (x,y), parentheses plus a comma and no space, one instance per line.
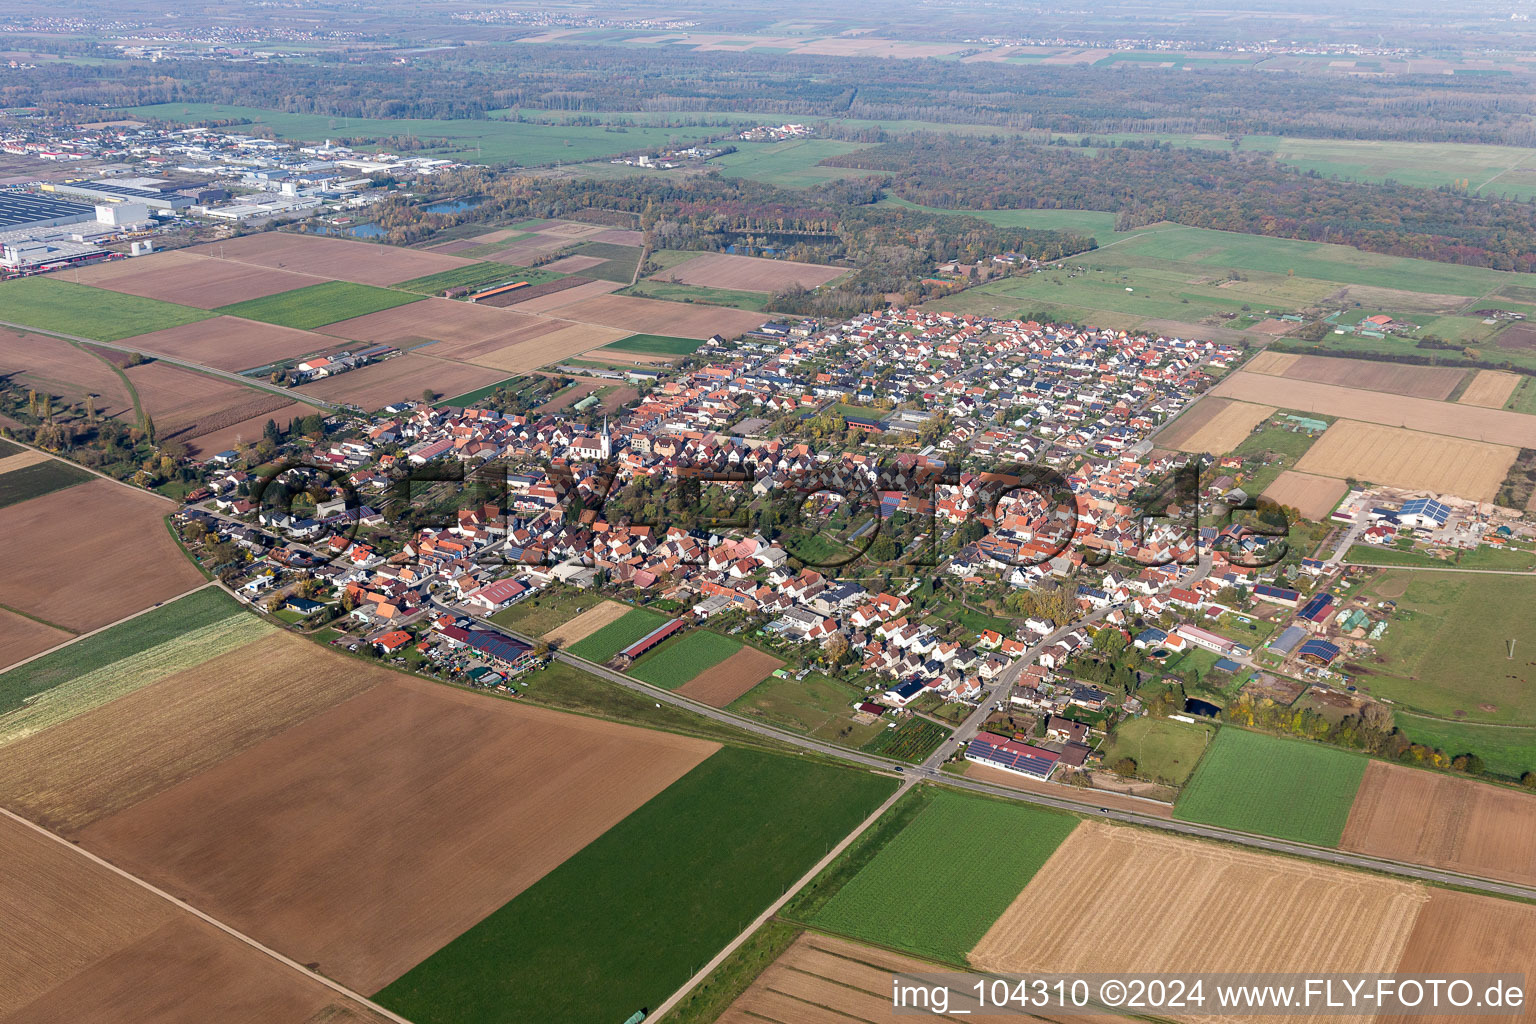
(790,164)
(319,304)
(50,304)
(655,344)
(617,635)
(939,912)
(1286,788)
(629,918)
(1164,750)
(678,660)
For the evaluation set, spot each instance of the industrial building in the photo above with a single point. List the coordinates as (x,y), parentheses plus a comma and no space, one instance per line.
(154,197)
(21,211)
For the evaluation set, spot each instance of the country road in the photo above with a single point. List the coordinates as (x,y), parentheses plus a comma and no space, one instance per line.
(185,364)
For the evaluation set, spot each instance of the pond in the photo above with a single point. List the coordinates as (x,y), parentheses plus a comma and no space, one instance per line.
(355,230)
(1196,706)
(452,206)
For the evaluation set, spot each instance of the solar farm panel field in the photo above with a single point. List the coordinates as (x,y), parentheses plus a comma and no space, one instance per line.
(1290,789)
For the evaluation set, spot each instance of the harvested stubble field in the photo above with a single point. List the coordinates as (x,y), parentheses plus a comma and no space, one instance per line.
(1227,428)
(1448,418)
(749,273)
(185,277)
(653,316)
(437,807)
(117,556)
(1490,389)
(84,944)
(21,637)
(186,404)
(731,678)
(1432,382)
(546,298)
(58,368)
(1410,459)
(550,347)
(401,378)
(230,343)
(1312,496)
(1215,909)
(331,258)
(1458,931)
(82,694)
(1422,817)
(1191,421)
(587,623)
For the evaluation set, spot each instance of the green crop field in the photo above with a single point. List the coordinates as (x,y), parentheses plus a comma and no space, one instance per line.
(912,740)
(79,310)
(816,705)
(319,304)
(113,645)
(937,884)
(791,164)
(623,923)
(1445,651)
(621,261)
(1290,789)
(1505,750)
(38,479)
(1088,223)
(1164,750)
(680,659)
(658,344)
(482,141)
(756,302)
(477,275)
(617,635)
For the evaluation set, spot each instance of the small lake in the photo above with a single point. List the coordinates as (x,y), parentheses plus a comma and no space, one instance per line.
(452,206)
(354,230)
(1196,706)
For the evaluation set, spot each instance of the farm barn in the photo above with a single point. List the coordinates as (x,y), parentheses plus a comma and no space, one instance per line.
(1020,758)
(648,641)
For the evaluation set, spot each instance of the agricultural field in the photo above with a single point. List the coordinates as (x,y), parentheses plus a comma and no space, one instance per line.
(32,474)
(1290,789)
(1446,653)
(1409,459)
(333,259)
(85,944)
(1431,382)
(622,923)
(816,705)
(22,638)
(791,164)
(550,346)
(1214,909)
(1087,223)
(180,276)
(654,344)
(400,378)
(229,343)
(723,683)
(650,288)
(617,635)
(390,769)
(1165,751)
(318,305)
(50,304)
(1313,496)
(1490,389)
(1496,935)
(1225,429)
(670,319)
(118,554)
(748,273)
(940,914)
(58,368)
(560,618)
(912,740)
(605,261)
(475,275)
(567,291)
(489,141)
(1427,818)
(1507,751)
(680,659)
(186,405)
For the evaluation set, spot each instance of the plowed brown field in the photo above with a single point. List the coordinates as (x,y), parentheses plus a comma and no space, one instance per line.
(1458,932)
(402,378)
(21,637)
(1490,389)
(331,258)
(83,944)
(672,319)
(570,340)
(446,322)
(1227,429)
(193,280)
(96,764)
(1424,818)
(1449,418)
(1312,496)
(748,273)
(1407,458)
(247,431)
(369,835)
(90,554)
(58,368)
(230,343)
(1213,909)
(731,678)
(550,299)
(186,404)
(1436,382)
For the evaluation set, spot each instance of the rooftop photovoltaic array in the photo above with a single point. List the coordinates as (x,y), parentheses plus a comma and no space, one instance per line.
(18,209)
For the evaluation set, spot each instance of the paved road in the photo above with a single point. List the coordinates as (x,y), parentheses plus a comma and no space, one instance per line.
(185,364)
(930,772)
